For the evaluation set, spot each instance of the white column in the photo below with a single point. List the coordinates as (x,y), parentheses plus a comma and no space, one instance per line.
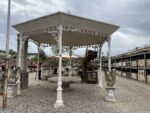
(100,84)
(19,65)
(59,101)
(25,55)
(109,54)
(38,62)
(98,53)
(70,63)
(18,47)
(21,53)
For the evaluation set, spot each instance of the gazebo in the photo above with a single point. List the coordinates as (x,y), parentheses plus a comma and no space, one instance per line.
(65,30)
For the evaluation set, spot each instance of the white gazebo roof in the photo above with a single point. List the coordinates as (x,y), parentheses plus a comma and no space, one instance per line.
(77,31)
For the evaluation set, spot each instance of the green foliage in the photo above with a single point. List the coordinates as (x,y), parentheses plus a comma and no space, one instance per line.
(104,58)
(42,56)
(2,55)
(35,58)
(12,53)
(55,50)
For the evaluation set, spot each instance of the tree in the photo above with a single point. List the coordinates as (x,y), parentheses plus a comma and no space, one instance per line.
(42,56)
(55,50)
(104,58)
(12,53)
(35,58)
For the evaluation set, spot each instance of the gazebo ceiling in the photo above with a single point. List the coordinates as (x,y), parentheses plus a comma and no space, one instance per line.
(69,39)
(77,31)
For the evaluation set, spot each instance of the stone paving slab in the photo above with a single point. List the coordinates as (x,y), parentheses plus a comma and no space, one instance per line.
(132,97)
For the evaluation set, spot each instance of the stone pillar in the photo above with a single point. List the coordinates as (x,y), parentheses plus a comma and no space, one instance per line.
(110,90)
(100,84)
(59,101)
(24,73)
(18,65)
(19,52)
(22,61)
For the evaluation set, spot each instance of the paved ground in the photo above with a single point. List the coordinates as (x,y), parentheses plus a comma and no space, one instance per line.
(132,97)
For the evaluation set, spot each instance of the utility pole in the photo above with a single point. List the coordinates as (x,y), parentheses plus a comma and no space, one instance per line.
(8,28)
(7,55)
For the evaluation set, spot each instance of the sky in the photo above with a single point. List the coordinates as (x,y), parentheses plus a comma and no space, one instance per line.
(131,15)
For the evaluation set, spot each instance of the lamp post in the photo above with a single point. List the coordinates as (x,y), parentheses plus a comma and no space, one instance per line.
(6,52)
(8,28)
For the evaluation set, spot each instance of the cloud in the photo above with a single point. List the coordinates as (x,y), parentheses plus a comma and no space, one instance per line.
(122,42)
(125,13)
(131,15)
(2,38)
(12,42)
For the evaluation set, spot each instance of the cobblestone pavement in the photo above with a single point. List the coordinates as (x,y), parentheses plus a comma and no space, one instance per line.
(132,97)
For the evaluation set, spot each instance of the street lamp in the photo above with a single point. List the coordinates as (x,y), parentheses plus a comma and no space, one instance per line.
(6,52)
(8,28)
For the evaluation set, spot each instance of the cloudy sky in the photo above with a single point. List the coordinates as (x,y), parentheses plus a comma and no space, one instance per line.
(131,15)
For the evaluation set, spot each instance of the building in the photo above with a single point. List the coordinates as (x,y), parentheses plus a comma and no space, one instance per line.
(134,64)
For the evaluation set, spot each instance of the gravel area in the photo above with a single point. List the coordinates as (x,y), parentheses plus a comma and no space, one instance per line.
(132,97)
